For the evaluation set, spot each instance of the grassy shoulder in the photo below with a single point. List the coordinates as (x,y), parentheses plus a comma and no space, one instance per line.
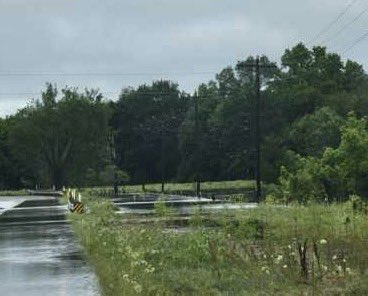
(218,186)
(320,250)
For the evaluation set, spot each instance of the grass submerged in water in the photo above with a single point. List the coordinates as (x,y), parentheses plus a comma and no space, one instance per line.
(13,193)
(314,250)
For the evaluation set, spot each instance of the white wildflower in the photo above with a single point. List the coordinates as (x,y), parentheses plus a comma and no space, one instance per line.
(143,262)
(126,278)
(284,266)
(323,241)
(265,269)
(138,288)
(278,258)
(149,269)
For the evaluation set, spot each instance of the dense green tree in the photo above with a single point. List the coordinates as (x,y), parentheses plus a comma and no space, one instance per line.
(221,146)
(310,79)
(311,134)
(58,140)
(10,172)
(337,173)
(165,134)
(147,120)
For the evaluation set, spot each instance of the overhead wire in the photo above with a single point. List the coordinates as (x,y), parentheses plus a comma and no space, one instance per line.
(71,74)
(62,74)
(332,23)
(355,43)
(135,92)
(347,25)
(39,93)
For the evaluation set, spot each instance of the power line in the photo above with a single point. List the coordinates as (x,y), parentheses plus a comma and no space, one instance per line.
(360,39)
(354,20)
(133,92)
(39,93)
(71,74)
(332,23)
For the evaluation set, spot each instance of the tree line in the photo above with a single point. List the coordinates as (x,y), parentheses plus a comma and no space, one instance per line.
(313,130)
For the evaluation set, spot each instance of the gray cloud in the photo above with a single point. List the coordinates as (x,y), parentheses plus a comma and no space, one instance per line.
(170,36)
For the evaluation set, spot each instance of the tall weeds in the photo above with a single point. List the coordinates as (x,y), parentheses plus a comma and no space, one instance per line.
(268,250)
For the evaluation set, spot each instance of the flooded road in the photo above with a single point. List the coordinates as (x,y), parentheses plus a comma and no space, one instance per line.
(39,255)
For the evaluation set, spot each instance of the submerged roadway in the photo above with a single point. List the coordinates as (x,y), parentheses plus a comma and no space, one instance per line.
(38,253)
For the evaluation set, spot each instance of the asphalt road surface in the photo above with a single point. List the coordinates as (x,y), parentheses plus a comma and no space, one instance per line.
(38,253)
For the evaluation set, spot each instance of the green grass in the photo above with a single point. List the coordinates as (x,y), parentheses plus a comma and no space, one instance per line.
(205,186)
(255,252)
(220,186)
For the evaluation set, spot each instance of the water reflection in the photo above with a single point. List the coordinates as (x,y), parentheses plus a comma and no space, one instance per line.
(42,259)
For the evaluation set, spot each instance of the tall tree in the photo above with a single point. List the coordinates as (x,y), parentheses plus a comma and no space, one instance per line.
(58,140)
(147,121)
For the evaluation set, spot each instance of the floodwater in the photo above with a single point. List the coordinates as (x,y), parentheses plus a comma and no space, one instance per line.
(39,255)
(144,204)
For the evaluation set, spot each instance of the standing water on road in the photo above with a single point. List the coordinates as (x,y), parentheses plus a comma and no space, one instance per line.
(41,257)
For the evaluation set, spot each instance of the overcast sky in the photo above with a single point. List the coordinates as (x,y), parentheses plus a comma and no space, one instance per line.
(187,41)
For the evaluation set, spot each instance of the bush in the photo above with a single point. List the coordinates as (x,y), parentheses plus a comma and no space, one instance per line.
(335,175)
(303,185)
(357,204)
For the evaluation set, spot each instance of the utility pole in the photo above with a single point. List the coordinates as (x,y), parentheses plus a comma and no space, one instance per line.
(257,66)
(113,156)
(258,131)
(196,126)
(162,161)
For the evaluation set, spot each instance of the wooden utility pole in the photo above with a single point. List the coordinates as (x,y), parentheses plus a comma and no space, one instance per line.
(196,126)
(113,156)
(162,160)
(258,131)
(257,66)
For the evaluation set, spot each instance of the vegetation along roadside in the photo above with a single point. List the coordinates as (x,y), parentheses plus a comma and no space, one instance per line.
(299,250)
